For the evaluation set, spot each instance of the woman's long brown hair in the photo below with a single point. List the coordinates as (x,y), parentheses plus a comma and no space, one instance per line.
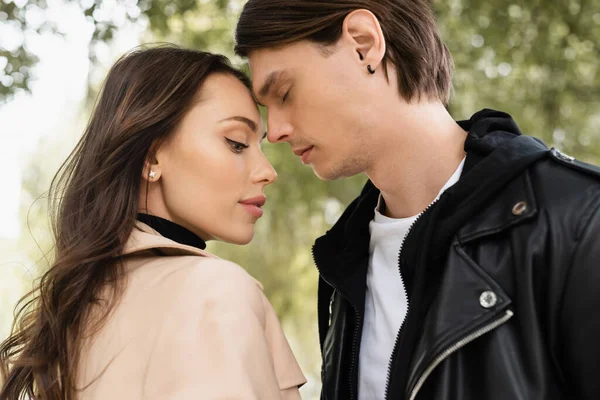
(94,200)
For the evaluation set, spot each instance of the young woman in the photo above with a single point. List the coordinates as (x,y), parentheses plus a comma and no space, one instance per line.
(133,306)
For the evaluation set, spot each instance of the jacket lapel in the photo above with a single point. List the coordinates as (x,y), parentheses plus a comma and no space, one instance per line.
(469,301)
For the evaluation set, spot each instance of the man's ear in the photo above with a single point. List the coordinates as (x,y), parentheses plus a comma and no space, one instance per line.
(361,30)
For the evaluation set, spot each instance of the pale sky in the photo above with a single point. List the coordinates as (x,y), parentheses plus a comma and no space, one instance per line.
(57,93)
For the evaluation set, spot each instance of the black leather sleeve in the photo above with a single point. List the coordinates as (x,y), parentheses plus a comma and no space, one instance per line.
(580,314)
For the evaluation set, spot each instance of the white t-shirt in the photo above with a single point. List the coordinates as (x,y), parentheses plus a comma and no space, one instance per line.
(386,302)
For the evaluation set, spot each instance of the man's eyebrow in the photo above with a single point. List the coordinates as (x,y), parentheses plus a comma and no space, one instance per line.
(269,82)
(251,124)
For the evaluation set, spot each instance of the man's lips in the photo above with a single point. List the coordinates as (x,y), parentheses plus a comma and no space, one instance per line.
(301,150)
(304,153)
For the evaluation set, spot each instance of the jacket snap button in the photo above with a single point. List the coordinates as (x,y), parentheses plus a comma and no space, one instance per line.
(488,299)
(519,208)
(564,156)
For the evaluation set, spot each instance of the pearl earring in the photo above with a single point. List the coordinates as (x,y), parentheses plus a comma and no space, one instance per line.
(152,174)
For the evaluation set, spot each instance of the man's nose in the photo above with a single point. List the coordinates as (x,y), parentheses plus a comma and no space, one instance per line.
(278,130)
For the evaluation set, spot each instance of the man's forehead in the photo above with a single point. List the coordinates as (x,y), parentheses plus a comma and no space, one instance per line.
(266,64)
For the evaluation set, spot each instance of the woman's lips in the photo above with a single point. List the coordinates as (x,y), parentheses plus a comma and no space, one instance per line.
(253,205)
(253,210)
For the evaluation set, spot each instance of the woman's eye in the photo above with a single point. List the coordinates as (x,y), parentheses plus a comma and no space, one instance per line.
(237,147)
(285,96)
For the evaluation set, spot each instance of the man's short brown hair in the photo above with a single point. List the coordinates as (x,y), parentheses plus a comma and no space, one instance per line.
(413,44)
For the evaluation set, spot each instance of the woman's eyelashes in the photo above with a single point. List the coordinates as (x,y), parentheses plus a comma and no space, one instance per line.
(236,147)
(285,96)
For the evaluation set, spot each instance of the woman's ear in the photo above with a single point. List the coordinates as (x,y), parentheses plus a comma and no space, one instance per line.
(152,169)
(361,30)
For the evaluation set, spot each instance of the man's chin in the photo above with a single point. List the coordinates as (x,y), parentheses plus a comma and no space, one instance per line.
(333,171)
(326,173)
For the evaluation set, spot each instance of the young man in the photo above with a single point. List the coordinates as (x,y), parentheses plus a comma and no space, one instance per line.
(469,266)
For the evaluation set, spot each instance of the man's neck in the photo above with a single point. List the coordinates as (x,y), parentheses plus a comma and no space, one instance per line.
(420,148)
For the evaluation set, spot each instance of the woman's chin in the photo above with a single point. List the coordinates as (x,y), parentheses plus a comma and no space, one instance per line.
(239,238)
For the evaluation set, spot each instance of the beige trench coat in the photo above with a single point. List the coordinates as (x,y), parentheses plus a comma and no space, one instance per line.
(188,326)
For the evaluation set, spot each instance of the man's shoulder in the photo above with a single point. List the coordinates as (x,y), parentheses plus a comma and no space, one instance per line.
(573,164)
(566,173)
(556,190)
(562,183)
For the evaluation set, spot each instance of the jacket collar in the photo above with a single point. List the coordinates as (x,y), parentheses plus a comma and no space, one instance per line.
(485,199)
(341,255)
(512,206)
(172,230)
(144,238)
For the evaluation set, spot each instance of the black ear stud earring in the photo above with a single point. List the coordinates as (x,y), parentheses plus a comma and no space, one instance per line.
(371,70)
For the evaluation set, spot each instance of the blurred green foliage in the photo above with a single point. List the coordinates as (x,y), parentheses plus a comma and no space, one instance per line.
(537,60)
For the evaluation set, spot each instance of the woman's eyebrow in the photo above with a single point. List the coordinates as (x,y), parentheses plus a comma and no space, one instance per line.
(251,124)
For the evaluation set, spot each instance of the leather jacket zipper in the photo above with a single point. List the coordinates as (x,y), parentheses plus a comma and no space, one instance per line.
(457,346)
(356,328)
(389,372)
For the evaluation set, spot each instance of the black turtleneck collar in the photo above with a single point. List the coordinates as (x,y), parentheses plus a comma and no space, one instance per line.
(173,231)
